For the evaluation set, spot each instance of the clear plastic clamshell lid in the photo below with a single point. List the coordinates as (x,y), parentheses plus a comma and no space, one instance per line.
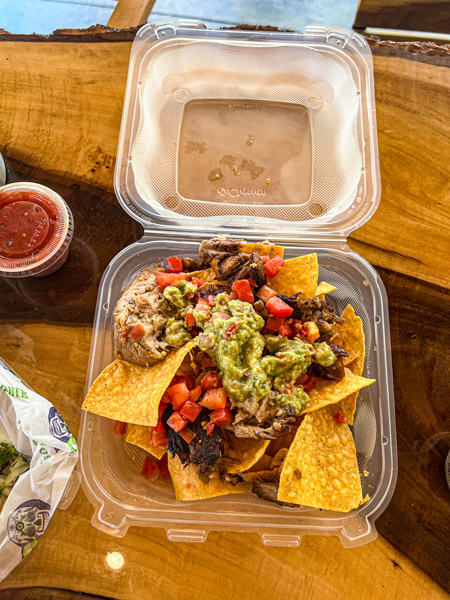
(268,131)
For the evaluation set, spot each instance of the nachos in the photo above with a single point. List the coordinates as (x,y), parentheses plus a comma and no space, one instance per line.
(221,356)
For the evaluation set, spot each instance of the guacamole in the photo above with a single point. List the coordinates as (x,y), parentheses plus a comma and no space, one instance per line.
(324,355)
(288,360)
(177,292)
(233,340)
(176,332)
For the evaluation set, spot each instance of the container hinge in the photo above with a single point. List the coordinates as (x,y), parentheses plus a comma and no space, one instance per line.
(165,29)
(283,541)
(338,39)
(187,535)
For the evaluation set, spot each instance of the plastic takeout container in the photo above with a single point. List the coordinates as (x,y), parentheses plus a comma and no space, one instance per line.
(260,135)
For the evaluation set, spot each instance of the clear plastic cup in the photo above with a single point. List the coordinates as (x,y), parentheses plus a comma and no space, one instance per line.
(36,228)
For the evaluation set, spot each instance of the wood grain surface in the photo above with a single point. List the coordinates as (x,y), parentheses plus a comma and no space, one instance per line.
(60,109)
(413,15)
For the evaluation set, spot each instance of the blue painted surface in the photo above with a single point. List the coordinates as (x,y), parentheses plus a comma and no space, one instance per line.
(44,16)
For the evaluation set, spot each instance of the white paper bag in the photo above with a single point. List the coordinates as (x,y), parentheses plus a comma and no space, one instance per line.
(37,431)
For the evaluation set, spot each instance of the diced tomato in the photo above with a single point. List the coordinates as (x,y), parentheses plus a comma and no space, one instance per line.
(339,417)
(220,314)
(124,332)
(137,333)
(278,308)
(244,291)
(159,426)
(189,321)
(164,467)
(297,326)
(190,295)
(231,330)
(273,265)
(150,468)
(265,259)
(307,382)
(198,282)
(189,380)
(215,398)
(194,332)
(191,410)
(195,394)
(233,296)
(179,394)
(209,428)
(274,323)
(120,428)
(203,301)
(312,331)
(252,282)
(212,300)
(175,264)
(265,293)
(211,380)
(187,435)
(177,422)
(159,438)
(302,379)
(285,331)
(289,390)
(221,417)
(310,384)
(165,279)
(207,362)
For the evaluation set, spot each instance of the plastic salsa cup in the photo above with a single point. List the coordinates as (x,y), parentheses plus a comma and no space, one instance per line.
(36,228)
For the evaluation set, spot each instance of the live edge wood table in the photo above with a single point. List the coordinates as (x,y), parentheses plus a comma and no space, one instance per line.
(60,108)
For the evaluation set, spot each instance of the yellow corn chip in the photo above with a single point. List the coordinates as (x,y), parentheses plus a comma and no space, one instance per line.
(283,441)
(354,339)
(297,276)
(321,469)
(206,275)
(131,393)
(263,249)
(322,289)
(189,487)
(354,344)
(242,453)
(261,476)
(141,436)
(331,391)
(263,464)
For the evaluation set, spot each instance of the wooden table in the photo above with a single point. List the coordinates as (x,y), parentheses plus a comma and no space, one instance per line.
(61,102)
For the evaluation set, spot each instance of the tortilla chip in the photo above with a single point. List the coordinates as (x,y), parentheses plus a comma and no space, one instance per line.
(141,436)
(263,249)
(321,469)
(131,393)
(322,289)
(189,487)
(278,459)
(284,441)
(297,276)
(242,453)
(206,275)
(354,339)
(350,358)
(263,464)
(331,391)
(261,476)
(354,344)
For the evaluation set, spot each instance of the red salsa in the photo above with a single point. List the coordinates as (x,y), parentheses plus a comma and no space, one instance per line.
(28,222)
(36,228)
